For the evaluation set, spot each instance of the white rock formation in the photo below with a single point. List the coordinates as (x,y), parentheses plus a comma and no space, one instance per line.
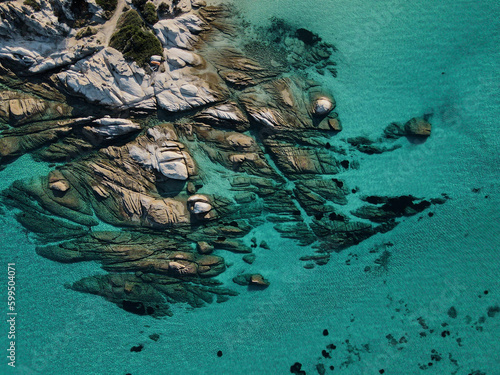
(20,55)
(36,24)
(176,91)
(179,32)
(164,155)
(106,78)
(201,207)
(179,58)
(266,116)
(227,114)
(109,128)
(199,204)
(102,75)
(63,58)
(322,106)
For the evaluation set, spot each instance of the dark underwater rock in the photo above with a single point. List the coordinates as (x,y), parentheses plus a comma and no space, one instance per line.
(370,147)
(388,208)
(416,127)
(146,294)
(452,312)
(250,258)
(296,369)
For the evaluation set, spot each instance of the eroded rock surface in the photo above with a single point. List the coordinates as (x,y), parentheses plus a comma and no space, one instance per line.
(186,157)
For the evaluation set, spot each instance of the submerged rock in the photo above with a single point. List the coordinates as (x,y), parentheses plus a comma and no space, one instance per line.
(392,207)
(204,247)
(146,295)
(251,279)
(418,127)
(58,182)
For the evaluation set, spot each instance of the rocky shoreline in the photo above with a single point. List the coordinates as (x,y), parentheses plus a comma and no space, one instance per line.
(142,145)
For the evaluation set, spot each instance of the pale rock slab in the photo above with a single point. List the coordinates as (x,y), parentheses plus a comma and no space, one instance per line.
(106,78)
(109,128)
(164,155)
(179,32)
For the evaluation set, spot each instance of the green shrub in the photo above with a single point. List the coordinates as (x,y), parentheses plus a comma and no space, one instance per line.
(164,8)
(139,4)
(149,13)
(130,18)
(87,31)
(133,40)
(107,5)
(147,10)
(32,3)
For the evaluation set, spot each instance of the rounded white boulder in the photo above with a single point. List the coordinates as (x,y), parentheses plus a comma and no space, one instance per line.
(199,204)
(322,106)
(201,207)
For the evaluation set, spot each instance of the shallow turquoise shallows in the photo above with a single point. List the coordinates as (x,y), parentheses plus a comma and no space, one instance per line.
(430,311)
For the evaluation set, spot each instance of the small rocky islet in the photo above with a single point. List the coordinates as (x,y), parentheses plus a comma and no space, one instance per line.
(146,108)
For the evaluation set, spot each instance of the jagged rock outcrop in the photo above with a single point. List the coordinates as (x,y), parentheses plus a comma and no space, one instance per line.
(161,151)
(17,108)
(316,195)
(107,128)
(36,23)
(251,279)
(293,160)
(261,151)
(180,32)
(234,150)
(17,141)
(383,209)
(131,252)
(417,127)
(107,79)
(146,294)
(225,115)
(294,108)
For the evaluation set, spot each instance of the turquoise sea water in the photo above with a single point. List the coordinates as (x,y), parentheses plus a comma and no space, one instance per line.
(391,60)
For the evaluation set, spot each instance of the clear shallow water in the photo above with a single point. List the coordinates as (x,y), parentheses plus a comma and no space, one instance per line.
(391,59)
